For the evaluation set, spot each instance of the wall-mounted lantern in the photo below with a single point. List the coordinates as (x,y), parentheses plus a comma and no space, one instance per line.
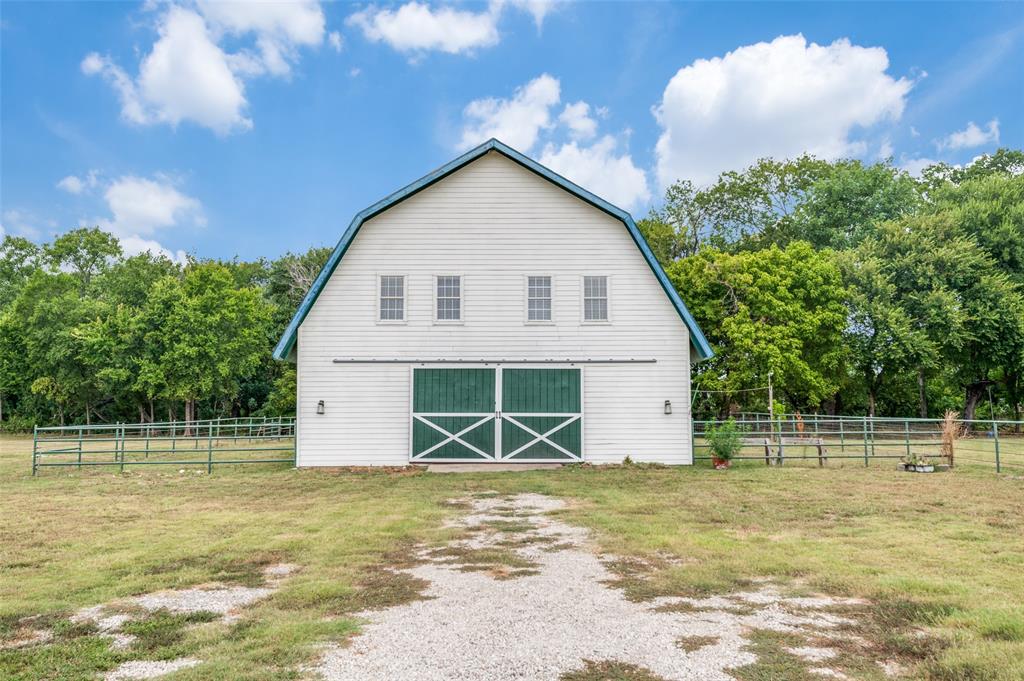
(668,406)
(320,407)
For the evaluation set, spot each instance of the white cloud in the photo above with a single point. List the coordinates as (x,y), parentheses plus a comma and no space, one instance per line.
(914,132)
(885,150)
(599,169)
(280,28)
(516,121)
(334,38)
(133,245)
(914,166)
(26,224)
(354,71)
(141,206)
(187,76)
(73,184)
(779,99)
(577,118)
(538,9)
(416,27)
(529,113)
(972,136)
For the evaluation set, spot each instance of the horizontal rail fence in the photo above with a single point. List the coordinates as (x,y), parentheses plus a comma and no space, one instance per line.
(997,443)
(205,442)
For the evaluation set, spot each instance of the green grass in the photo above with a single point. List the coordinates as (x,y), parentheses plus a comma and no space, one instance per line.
(942,552)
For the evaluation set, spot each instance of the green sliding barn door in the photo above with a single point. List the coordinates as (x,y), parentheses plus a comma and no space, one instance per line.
(541,415)
(453,414)
(492,414)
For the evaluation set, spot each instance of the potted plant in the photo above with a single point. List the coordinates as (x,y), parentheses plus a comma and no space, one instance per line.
(725,440)
(917,463)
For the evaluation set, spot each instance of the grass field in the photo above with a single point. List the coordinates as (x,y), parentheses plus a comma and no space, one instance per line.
(940,553)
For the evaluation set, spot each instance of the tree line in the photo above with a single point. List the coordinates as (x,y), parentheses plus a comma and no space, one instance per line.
(89,335)
(860,289)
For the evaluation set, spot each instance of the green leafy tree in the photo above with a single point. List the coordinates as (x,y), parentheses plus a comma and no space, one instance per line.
(19,258)
(44,317)
(741,208)
(1002,162)
(924,296)
(129,281)
(84,252)
(844,205)
(214,334)
(990,209)
(774,310)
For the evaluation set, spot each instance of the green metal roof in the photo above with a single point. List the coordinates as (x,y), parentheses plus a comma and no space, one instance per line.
(287,342)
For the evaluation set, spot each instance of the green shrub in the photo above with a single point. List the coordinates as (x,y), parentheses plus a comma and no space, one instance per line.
(725,439)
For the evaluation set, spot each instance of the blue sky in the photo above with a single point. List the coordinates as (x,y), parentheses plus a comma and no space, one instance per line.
(233,129)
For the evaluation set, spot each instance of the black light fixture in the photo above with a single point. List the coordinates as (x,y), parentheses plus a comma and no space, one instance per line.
(668,406)
(320,407)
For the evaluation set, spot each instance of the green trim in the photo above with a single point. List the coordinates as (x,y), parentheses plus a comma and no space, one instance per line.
(287,343)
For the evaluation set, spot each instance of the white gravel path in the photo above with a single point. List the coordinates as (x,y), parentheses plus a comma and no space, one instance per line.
(138,669)
(539,626)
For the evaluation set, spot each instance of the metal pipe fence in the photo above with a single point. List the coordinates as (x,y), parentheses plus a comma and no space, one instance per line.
(994,443)
(206,442)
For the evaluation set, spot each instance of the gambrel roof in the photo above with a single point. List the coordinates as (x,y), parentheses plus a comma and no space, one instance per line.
(287,342)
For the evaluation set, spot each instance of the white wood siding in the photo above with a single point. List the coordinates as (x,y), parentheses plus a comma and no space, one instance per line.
(494,223)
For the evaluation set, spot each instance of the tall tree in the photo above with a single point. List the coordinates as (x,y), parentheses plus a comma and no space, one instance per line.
(844,205)
(19,258)
(84,252)
(215,334)
(775,310)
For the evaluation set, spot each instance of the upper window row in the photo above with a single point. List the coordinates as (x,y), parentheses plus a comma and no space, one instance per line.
(448,298)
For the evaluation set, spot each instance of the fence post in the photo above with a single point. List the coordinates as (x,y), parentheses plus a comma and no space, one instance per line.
(995,436)
(79,446)
(35,445)
(871,426)
(842,437)
(209,448)
(864,435)
(782,445)
(122,446)
(906,433)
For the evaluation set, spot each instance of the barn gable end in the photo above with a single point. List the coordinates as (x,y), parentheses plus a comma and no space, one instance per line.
(286,346)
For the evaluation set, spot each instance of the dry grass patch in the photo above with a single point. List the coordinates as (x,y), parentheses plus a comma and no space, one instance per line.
(694,643)
(610,670)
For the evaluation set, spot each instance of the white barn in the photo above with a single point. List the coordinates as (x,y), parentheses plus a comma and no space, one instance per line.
(492,311)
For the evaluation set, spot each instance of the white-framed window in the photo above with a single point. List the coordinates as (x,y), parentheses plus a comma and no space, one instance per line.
(595,299)
(538,298)
(448,298)
(391,298)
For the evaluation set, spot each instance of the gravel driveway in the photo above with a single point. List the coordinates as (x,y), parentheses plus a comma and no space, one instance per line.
(553,610)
